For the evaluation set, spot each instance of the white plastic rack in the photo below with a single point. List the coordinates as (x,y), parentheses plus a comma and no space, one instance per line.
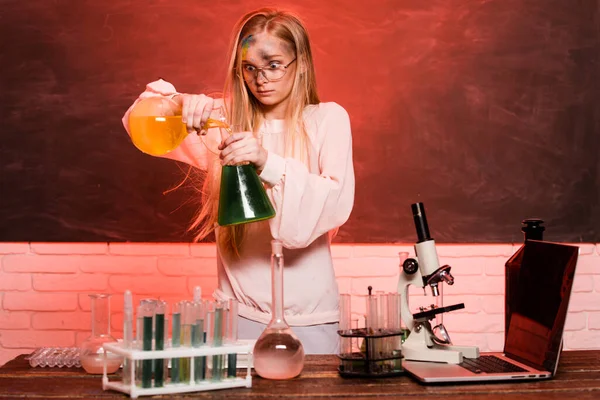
(241,347)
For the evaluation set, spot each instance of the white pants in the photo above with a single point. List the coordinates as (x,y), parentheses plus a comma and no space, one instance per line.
(316,339)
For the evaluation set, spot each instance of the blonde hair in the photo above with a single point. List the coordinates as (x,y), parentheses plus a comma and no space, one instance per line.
(244,111)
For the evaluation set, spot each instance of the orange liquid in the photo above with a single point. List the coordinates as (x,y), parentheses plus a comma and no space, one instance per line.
(157,135)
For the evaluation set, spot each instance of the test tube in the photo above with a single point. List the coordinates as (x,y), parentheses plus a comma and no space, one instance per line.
(198,339)
(209,323)
(147,311)
(139,336)
(127,336)
(218,342)
(382,311)
(159,342)
(345,316)
(394,325)
(188,319)
(371,325)
(175,340)
(232,337)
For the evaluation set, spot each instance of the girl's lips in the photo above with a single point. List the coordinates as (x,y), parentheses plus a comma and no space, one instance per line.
(264,92)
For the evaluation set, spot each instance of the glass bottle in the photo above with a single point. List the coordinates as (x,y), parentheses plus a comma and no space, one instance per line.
(278,353)
(532,230)
(92,355)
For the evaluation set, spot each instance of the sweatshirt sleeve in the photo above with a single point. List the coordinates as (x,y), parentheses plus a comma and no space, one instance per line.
(307,204)
(192,150)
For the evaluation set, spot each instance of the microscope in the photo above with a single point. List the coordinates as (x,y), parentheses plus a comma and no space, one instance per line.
(424,270)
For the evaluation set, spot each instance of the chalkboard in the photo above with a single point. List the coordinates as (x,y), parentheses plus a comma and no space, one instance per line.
(485,111)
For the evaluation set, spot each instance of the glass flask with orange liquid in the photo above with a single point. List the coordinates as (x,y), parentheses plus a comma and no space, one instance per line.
(278,353)
(156,126)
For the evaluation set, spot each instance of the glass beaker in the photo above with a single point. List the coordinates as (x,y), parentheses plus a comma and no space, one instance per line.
(278,353)
(91,355)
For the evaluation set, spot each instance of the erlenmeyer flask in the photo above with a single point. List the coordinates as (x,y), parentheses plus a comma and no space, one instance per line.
(278,353)
(242,196)
(91,355)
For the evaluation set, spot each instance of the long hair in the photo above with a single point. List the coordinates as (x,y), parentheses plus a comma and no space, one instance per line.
(245,111)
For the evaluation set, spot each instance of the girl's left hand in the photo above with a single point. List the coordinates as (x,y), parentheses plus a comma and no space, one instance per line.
(242,147)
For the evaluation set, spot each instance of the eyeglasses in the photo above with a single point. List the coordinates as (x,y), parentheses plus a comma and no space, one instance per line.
(272,72)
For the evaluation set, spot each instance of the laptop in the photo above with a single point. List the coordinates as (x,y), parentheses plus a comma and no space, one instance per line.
(534,337)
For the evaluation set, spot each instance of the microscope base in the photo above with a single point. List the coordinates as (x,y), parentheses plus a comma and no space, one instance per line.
(419,347)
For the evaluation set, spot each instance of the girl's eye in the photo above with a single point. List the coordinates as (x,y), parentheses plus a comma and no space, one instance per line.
(249,68)
(274,65)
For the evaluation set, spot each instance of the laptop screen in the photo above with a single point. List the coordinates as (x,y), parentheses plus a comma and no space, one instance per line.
(542,296)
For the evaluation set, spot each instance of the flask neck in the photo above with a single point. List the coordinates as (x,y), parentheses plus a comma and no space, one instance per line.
(277,288)
(100,304)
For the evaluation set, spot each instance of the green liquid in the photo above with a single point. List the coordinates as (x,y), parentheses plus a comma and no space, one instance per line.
(176,331)
(197,341)
(231,365)
(159,342)
(147,345)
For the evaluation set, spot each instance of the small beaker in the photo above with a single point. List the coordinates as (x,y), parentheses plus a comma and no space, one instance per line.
(91,356)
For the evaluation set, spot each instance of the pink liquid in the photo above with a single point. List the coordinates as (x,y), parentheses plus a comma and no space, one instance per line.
(278,356)
(94,363)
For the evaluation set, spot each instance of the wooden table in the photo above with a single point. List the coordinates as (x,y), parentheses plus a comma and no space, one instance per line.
(578,378)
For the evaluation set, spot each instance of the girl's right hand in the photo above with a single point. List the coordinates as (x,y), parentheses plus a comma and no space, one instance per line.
(195,110)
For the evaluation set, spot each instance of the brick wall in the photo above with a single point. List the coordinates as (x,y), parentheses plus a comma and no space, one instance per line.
(44,287)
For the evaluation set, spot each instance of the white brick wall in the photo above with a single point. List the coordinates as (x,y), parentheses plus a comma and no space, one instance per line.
(44,287)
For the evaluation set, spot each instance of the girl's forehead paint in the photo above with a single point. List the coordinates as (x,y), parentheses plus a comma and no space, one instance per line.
(246,45)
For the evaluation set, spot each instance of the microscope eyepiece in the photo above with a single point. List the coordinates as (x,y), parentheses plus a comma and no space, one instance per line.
(418,210)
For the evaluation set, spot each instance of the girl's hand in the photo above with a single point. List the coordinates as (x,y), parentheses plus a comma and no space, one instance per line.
(195,110)
(242,147)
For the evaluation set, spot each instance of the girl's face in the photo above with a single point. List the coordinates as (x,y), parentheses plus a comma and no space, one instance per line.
(269,68)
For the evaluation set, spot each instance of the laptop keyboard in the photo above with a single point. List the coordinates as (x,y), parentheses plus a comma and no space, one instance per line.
(489,364)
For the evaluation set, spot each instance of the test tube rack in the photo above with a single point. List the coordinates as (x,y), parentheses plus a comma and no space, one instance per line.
(240,347)
(380,353)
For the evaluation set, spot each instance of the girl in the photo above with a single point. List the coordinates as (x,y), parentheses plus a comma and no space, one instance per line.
(302,151)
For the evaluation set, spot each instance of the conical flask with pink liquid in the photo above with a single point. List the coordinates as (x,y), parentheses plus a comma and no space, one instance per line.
(278,353)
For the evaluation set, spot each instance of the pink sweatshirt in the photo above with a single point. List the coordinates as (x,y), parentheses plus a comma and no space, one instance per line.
(311,202)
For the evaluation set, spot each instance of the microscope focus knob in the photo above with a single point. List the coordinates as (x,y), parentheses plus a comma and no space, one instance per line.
(410,266)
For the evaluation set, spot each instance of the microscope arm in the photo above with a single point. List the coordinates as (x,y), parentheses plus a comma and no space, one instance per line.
(403,283)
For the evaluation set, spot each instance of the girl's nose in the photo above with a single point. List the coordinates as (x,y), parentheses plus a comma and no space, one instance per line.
(261,78)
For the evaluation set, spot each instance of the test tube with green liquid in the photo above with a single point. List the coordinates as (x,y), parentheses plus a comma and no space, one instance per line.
(217,360)
(159,342)
(147,317)
(145,306)
(232,337)
(127,335)
(198,340)
(175,340)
